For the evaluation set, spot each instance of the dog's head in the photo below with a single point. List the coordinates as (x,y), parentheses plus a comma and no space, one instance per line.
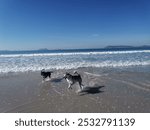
(42,72)
(66,75)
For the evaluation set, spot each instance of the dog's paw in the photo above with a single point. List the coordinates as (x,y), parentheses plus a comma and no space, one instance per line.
(79,91)
(42,81)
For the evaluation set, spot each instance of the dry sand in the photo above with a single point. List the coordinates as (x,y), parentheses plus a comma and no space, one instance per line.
(104,91)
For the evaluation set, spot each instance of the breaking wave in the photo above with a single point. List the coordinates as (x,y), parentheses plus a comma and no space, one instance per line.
(36,62)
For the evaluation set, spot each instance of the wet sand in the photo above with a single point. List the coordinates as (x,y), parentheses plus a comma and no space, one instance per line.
(105,90)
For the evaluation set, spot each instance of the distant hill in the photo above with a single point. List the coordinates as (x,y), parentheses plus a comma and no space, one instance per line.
(43,49)
(128,47)
(119,47)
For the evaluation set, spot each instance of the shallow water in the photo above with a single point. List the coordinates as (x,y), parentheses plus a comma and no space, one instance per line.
(108,59)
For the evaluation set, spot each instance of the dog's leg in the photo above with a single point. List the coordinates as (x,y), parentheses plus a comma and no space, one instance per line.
(81,86)
(43,80)
(49,77)
(69,87)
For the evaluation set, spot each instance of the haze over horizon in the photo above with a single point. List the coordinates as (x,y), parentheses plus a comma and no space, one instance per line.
(69,24)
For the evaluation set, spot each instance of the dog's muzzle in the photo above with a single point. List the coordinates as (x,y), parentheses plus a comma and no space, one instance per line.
(64,77)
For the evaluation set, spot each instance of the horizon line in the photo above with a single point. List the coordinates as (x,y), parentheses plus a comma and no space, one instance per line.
(106,47)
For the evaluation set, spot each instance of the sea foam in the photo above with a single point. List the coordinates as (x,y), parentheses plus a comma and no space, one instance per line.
(36,62)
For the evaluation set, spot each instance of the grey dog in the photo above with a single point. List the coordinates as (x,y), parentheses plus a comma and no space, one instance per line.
(72,79)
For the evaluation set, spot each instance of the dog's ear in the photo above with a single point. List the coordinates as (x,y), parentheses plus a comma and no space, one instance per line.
(67,73)
(75,72)
(42,70)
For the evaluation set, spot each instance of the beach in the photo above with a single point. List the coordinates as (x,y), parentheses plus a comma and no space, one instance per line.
(105,90)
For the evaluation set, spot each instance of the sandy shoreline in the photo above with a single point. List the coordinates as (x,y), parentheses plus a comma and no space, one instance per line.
(105,91)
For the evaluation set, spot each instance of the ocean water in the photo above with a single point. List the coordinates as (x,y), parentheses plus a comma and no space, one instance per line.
(35,61)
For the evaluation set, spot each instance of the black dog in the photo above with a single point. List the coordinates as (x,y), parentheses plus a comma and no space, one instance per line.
(46,74)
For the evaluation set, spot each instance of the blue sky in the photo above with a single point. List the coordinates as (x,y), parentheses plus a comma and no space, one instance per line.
(60,24)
